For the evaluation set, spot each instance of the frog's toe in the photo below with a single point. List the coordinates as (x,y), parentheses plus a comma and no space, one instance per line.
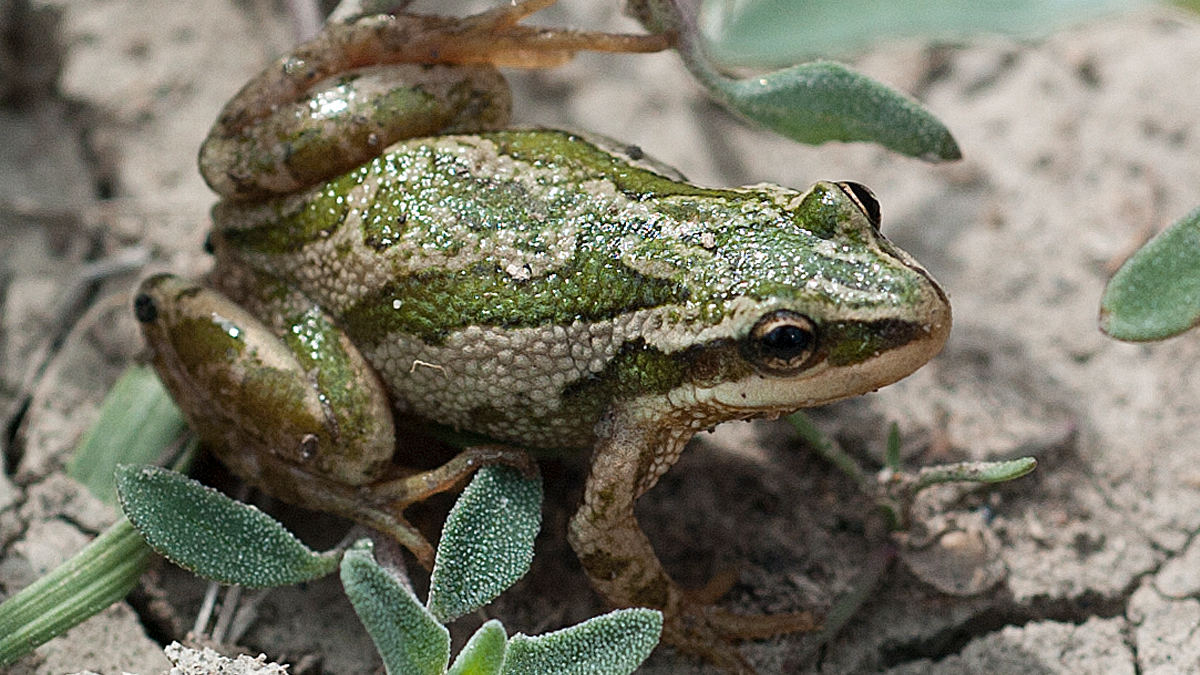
(711,633)
(716,588)
(724,655)
(400,492)
(393,523)
(758,627)
(735,626)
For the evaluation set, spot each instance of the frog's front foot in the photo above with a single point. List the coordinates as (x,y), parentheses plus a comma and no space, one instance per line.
(711,632)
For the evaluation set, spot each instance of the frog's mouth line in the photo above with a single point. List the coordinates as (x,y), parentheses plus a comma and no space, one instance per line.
(834,379)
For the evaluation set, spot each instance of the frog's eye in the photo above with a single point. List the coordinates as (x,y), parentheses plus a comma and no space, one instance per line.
(864,199)
(782,342)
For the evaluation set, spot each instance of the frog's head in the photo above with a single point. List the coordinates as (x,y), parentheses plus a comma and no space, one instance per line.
(802,302)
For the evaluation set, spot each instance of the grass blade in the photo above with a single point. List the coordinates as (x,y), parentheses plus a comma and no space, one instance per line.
(99,575)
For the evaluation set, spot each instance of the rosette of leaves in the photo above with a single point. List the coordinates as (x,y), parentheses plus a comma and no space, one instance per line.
(486,546)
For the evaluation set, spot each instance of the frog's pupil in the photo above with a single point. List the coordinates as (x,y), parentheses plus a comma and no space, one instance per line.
(787,342)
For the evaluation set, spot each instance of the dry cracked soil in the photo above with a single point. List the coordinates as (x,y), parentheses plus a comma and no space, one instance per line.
(1077,147)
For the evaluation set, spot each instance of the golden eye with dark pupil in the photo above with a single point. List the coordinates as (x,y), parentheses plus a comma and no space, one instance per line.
(782,342)
(864,199)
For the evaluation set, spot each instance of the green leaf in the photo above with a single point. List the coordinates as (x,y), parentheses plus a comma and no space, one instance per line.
(212,535)
(891,458)
(487,543)
(974,472)
(611,644)
(774,32)
(1156,293)
(137,421)
(483,653)
(811,103)
(96,577)
(825,101)
(408,637)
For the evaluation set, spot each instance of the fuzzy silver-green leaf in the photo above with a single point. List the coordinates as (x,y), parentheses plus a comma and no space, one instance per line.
(408,637)
(611,644)
(207,533)
(483,653)
(766,33)
(1156,293)
(826,101)
(487,543)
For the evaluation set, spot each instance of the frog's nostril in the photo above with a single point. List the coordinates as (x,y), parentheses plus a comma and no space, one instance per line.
(144,308)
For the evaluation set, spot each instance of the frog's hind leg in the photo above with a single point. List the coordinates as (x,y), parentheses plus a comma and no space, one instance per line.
(292,408)
(492,38)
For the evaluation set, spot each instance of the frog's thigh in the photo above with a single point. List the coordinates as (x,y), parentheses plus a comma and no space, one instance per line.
(308,399)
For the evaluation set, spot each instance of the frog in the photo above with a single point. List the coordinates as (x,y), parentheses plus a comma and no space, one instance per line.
(389,255)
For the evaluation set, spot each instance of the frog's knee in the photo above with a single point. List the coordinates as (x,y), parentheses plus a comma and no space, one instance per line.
(251,394)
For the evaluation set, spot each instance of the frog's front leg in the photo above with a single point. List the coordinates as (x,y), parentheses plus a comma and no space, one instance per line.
(293,409)
(635,447)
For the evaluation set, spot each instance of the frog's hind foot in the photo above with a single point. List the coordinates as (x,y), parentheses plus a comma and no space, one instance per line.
(733,626)
(399,493)
(760,626)
(507,43)
(711,633)
(390,497)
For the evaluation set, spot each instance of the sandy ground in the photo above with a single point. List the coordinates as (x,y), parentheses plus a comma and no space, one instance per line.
(1077,148)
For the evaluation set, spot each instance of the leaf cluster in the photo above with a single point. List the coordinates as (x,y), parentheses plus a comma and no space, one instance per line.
(486,546)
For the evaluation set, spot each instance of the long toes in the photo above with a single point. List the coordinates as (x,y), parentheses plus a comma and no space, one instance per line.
(714,590)
(758,627)
(710,633)
(692,635)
